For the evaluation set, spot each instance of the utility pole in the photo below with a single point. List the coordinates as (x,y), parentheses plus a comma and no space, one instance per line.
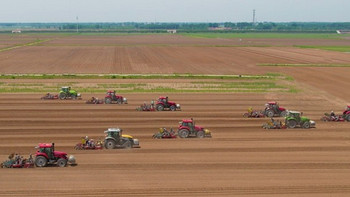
(254,17)
(77,24)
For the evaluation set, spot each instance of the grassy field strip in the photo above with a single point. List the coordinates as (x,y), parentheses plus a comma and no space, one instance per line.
(265,35)
(345,49)
(160,87)
(268,76)
(306,65)
(24,45)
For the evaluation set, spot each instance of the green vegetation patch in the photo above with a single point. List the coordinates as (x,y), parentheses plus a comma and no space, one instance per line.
(345,49)
(265,35)
(306,65)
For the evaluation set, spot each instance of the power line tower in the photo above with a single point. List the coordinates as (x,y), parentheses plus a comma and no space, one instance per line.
(254,19)
(77,24)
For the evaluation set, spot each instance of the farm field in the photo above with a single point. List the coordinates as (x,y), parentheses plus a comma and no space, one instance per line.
(241,159)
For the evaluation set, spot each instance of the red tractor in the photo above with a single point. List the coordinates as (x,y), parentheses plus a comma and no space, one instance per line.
(272,109)
(112,98)
(346,113)
(188,128)
(46,155)
(164,103)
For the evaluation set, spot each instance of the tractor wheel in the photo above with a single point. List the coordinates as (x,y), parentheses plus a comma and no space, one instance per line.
(61,162)
(160,108)
(62,96)
(200,134)
(306,125)
(127,145)
(291,124)
(40,161)
(284,114)
(73,96)
(110,144)
(270,113)
(173,108)
(108,100)
(119,101)
(347,118)
(183,133)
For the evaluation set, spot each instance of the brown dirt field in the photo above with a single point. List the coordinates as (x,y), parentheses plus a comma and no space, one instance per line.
(241,159)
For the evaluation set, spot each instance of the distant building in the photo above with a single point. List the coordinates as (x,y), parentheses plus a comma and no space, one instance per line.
(172,31)
(17,31)
(343,31)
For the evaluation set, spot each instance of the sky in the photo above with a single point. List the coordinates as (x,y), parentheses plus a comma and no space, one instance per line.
(174,11)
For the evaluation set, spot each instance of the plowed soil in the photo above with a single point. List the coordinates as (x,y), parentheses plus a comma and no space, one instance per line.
(240,159)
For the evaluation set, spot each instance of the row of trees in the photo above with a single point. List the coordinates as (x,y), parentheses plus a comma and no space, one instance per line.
(228,26)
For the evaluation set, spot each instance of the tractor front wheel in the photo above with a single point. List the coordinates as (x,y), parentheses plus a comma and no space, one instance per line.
(160,108)
(110,144)
(128,145)
(61,162)
(200,134)
(284,114)
(108,100)
(306,125)
(184,133)
(173,108)
(74,96)
(291,124)
(40,161)
(270,113)
(62,96)
(119,101)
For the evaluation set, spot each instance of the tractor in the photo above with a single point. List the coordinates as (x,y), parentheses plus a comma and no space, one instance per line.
(272,109)
(296,119)
(46,155)
(188,128)
(67,93)
(164,103)
(346,113)
(115,139)
(112,98)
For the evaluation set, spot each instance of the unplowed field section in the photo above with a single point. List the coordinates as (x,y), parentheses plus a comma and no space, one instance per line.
(240,159)
(158,59)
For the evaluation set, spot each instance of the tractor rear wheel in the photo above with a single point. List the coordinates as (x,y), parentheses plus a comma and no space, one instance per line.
(291,124)
(108,100)
(40,161)
(173,108)
(110,144)
(160,107)
(200,134)
(347,118)
(284,114)
(61,162)
(306,125)
(270,114)
(183,133)
(62,96)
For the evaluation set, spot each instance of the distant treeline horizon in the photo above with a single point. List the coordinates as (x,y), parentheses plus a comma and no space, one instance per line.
(159,27)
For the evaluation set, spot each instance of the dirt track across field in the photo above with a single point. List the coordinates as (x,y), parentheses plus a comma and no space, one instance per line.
(240,159)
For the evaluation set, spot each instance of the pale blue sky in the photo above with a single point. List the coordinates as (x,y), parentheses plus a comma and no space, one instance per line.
(174,11)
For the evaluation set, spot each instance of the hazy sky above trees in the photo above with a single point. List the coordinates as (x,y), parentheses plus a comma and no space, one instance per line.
(174,10)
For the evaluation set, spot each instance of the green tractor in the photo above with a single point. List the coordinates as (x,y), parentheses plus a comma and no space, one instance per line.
(115,139)
(296,119)
(67,93)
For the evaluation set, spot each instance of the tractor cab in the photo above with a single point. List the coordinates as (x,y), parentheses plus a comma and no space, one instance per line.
(114,133)
(274,105)
(164,100)
(111,93)
(190,125)
(46,149)
(295,114)
(65,89)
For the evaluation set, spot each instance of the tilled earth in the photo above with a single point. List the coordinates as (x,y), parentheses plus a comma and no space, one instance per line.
(240,159)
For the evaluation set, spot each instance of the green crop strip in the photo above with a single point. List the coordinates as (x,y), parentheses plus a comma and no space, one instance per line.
(306,65)
(328,48)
